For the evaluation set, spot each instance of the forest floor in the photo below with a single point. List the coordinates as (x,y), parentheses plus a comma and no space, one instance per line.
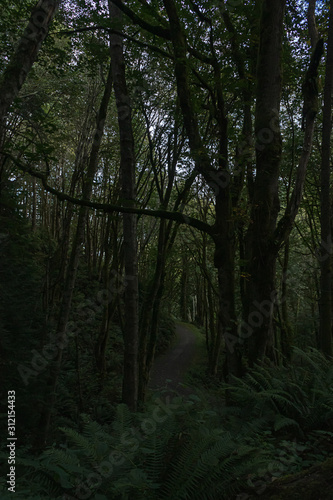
(170,369)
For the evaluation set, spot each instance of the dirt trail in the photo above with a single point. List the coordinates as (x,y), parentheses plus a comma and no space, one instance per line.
(169,369)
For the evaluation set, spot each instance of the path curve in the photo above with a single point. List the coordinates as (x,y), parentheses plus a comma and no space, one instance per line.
(169,369)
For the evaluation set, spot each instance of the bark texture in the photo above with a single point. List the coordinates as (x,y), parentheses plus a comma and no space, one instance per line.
(325,332)
(127,169)
(265,236)
(265,208)
(26,53)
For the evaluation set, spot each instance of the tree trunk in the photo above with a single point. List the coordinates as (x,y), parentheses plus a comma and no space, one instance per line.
(218,180)
(62,334)
(286,332)
(127,168)
(21,63)
(325,332)
(260,290)
(150,313)
(150,309)
(101,343)
(224,261)
(264,237)
(34,205)
(225,248)
(183,299)
(26,53)
(315,482)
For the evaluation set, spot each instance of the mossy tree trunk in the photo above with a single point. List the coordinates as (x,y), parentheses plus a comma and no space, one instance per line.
(265,207)
(21,62)
(128,188)
(325,332)
(310,484)
(26,53)
(265,236)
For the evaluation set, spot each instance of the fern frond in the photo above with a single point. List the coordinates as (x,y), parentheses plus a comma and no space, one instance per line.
(83,444)
(123,419)
(282,422)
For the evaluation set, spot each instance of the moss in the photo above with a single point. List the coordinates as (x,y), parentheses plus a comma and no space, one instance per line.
(312,484)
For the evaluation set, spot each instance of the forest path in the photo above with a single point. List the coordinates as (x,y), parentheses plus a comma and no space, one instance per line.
(170,368)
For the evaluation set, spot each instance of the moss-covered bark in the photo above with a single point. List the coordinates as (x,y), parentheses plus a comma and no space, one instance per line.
(312,484)
(26,53)
(265,208)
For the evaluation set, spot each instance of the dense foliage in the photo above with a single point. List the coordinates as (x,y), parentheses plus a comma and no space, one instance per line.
(165,161)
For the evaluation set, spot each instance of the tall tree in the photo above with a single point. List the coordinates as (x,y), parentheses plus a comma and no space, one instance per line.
(325,335)
(128,187)
(218,179)
(26,53)
(265,206)
(66,302)
(265,236)
(21,62)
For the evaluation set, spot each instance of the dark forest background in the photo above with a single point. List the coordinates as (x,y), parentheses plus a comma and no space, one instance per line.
(166,161)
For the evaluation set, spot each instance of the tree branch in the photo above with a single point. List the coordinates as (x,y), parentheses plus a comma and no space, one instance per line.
(116,32)
(109,208)
(152,28)
(158,30)
(285,225)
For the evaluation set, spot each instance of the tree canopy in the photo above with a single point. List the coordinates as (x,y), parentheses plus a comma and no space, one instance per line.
(165,161)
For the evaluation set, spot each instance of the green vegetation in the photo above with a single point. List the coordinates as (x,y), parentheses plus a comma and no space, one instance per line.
(280,424)
(158,175)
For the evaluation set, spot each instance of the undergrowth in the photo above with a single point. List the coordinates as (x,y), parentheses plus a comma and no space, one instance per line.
(280,422)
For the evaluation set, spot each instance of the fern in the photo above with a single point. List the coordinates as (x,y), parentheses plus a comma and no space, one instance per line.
(85,444)
(282,422)
(181,456)
(209,466)
(191,453)
(299,396)
(123,419)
